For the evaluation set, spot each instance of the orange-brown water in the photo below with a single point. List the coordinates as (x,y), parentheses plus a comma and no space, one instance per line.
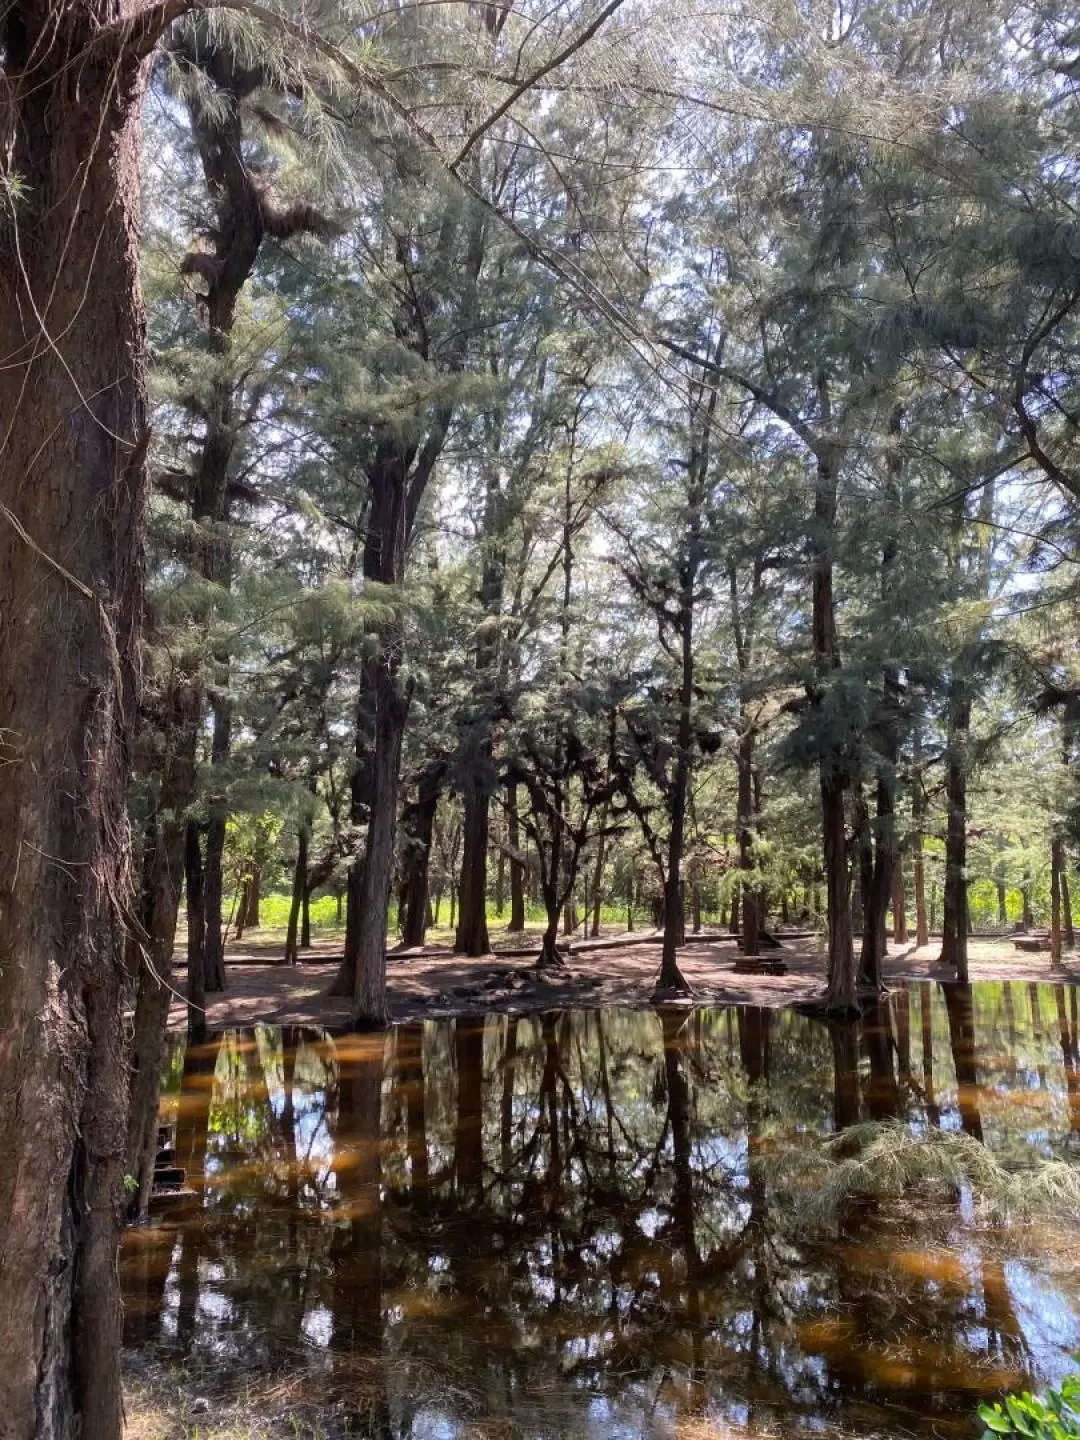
(574,1225)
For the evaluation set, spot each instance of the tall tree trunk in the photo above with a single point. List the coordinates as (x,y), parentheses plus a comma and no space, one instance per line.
(886,859)
(386,696)
(922,924)
(954,941)
(1002,911)
(1057,847)
(751,912)
(418,825)
(598,877)
(196,932)
(517,869)
(392,708)
(500,883)
(840,991)
(1068,931)
(671,977)
(472,932)
(72,495)
(899,901)
(214,878)
(299,890)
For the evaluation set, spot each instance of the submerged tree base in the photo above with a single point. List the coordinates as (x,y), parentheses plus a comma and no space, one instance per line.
(672,995)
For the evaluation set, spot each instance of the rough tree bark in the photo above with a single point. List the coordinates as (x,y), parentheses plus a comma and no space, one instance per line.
(73,440)
(418,825)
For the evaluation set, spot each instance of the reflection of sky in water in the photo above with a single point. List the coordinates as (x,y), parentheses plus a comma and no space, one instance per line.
(556,1282)
(1048,1318)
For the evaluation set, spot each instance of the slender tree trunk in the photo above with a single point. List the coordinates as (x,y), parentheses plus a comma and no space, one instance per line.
(214,878)
(73,439)
(1066,910)
(196,932)
(899,902)
(751,913)
(954,944)
(240,902)
(886,867)
(252,899)
(1056,851)
(305,917)
(922,924)
(517,869)
(598,876)
(500,883)
(299,889)
(671,977)
(1002,911)
(834,779)
(418,824)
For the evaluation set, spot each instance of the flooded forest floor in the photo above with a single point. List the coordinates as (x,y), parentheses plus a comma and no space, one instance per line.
(614,971)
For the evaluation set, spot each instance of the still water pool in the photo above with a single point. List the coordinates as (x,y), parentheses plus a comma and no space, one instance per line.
(591,1224)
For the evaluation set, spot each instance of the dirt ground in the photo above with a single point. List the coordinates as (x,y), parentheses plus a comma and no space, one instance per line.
(618,971)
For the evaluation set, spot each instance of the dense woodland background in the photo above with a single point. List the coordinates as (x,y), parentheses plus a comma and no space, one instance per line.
(668,510)
(615,455)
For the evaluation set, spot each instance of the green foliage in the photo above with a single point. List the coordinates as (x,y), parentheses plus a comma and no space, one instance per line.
(1053,1415)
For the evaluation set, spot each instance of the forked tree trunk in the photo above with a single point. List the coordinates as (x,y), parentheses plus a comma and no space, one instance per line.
(299,890)
(73,438)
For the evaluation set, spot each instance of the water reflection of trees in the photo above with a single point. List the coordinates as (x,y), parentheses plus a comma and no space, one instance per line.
(559,1218)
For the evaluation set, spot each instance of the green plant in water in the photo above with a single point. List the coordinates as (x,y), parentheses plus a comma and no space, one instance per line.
(1054,1415)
